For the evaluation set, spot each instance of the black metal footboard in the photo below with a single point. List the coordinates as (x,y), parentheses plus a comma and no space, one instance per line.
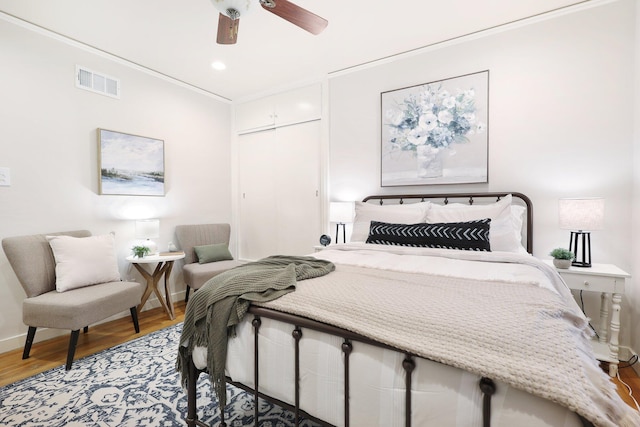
(487,386)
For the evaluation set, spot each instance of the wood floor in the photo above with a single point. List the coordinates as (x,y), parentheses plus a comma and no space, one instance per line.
(52,353)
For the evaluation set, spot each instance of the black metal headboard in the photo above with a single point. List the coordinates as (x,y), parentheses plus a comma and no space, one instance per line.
(469,198)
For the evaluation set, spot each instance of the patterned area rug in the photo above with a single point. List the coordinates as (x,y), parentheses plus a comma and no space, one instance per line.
(133,384)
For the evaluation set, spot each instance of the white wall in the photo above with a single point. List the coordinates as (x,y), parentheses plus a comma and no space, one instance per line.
(560,121)
(48,140)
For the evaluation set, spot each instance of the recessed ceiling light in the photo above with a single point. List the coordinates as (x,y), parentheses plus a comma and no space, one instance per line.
(218,65)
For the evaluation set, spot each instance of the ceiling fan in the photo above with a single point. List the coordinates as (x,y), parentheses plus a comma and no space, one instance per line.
(231,10)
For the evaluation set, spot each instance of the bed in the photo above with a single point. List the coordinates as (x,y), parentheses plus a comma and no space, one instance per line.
(471,330)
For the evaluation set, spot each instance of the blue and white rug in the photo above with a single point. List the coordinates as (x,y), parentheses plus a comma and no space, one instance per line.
(130,385)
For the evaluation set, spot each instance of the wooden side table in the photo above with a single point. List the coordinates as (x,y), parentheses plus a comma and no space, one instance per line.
(609,281)
(164,264)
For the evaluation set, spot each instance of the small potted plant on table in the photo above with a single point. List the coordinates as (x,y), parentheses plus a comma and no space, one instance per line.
(562,257)
(140,251)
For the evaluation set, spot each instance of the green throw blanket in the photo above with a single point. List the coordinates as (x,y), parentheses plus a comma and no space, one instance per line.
(215,309)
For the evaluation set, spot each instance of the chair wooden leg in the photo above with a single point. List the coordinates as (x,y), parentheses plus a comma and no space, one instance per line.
(186,295)
(85,329)
(27,345)
(73,341)
(134,317)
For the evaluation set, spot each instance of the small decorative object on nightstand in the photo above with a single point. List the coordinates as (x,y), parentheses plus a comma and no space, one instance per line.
(325,240)
(562,257)
(140,251)
(609,281)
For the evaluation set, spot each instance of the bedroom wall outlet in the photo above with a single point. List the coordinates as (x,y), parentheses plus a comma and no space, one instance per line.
(5,177)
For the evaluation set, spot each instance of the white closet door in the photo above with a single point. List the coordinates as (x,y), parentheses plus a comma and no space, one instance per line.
(279,178)
(257,213)
(298,183)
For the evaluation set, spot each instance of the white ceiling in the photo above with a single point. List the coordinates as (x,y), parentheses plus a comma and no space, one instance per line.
(177,37)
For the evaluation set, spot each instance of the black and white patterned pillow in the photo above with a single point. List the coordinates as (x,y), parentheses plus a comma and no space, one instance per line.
(471,235)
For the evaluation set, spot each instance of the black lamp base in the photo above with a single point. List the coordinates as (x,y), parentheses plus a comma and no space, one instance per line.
(344,232)
(580,245)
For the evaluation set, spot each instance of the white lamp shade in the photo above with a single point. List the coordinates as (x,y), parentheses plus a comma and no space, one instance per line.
(147,228)
(341,212)
(242,6)
(581,214)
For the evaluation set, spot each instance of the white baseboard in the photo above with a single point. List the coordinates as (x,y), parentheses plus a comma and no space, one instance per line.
(43,334)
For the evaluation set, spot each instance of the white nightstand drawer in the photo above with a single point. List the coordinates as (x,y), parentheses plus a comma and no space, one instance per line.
(593,283)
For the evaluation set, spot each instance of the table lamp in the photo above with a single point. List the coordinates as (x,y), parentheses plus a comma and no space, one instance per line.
(148,229)
(581,216)
(341,213)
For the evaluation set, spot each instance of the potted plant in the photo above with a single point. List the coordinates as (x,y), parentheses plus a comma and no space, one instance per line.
(140,251)
(562,257)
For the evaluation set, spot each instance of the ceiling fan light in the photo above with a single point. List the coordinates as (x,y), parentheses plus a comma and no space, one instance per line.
(232,7)
(218,65)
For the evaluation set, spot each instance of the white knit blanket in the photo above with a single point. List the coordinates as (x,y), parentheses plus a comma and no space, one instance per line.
(516,329)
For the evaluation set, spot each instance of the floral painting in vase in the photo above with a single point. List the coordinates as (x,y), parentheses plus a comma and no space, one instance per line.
(436,133)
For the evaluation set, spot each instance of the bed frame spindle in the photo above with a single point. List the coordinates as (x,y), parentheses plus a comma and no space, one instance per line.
(347,347)
(192,409)
(297,335)
(488,388)
(409,365)
(256,322)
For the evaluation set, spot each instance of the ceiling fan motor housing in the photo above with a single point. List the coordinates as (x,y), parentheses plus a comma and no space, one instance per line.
(268,3)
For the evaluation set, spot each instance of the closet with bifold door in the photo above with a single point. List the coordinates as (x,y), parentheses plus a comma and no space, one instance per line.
(279,174)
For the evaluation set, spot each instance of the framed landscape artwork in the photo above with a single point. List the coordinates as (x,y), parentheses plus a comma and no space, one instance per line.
(436,133)
(130,164)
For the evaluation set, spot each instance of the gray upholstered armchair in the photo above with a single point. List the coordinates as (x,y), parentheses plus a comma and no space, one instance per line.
(200,237)
(73,308)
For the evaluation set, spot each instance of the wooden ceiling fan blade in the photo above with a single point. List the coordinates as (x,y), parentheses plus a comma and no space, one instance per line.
(296,15)
(227,29)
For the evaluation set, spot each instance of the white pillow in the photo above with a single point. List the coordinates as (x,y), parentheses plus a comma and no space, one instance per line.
(411,213)
(503,234)
(518,213)
(84,261)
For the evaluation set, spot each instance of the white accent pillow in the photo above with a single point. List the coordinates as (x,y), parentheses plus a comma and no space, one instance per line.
(518,213)
(84,261)
(503,234)
(411,213)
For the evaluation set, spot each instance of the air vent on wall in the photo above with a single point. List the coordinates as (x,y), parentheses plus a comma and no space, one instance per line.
(96,82)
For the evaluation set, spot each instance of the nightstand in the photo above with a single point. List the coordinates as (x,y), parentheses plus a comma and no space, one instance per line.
(609,281)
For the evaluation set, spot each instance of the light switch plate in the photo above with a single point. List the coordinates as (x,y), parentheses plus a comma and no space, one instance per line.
(5,177)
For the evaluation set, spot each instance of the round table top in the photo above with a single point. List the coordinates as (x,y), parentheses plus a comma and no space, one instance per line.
(167,256)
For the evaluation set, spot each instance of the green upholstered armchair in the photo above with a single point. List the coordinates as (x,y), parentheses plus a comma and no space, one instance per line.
(198,236)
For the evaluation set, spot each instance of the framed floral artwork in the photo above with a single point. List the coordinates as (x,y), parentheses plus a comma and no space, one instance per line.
(436,133)
(130,165)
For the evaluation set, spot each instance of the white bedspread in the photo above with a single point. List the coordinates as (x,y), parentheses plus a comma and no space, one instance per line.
(510,318)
